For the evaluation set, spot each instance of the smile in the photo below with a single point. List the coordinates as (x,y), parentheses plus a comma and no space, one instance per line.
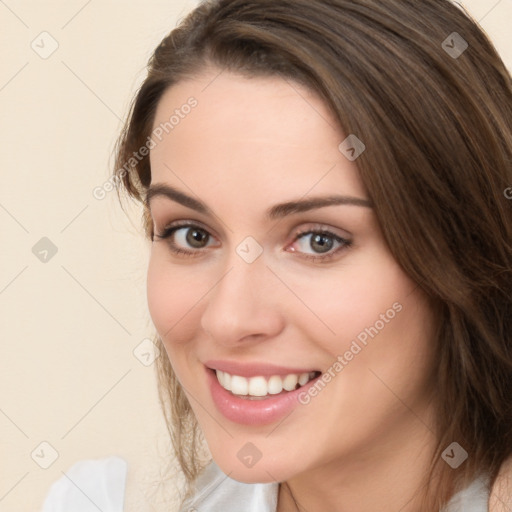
(259,387)
(256,394)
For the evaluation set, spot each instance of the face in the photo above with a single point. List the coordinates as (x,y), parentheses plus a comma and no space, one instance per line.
(257,296)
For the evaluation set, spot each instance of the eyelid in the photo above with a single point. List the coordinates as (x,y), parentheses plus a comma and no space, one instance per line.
(175,226)
(193,223)
(160,214)
(321,227)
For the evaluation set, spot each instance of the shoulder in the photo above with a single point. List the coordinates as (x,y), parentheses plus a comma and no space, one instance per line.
(215,490)
(89,485)
(500,499)
(473,498)
(481,497)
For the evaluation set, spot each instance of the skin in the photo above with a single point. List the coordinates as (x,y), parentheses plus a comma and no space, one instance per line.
(364,442)
(500,498)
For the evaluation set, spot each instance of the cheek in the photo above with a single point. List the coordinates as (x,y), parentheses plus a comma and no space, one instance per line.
(161,303)
(353,300)
(387,350)
(173,301)
(172,296)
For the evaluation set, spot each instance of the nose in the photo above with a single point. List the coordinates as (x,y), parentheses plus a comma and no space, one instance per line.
(243,305)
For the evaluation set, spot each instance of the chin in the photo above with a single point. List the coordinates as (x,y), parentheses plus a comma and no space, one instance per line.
(239,467)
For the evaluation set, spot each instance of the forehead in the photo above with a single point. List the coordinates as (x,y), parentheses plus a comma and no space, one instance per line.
(258,104)
(254,133)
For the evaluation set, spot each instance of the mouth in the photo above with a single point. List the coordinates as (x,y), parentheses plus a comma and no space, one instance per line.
(257,393)
(261,387)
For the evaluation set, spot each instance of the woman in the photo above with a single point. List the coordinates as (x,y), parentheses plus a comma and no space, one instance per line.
(324,184)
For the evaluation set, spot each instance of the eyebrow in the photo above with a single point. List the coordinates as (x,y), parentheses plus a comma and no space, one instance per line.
(275,212)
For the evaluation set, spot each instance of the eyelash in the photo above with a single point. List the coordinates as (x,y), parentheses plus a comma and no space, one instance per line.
(169,232)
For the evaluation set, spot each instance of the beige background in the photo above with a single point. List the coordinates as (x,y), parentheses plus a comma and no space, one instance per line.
(69,325)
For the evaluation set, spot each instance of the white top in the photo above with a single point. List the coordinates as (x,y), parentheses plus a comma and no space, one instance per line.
(92,485)
(89,486)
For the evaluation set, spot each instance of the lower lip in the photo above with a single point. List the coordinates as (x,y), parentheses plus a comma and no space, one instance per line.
(253,412)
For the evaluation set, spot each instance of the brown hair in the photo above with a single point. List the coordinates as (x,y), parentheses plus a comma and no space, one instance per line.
(438,133)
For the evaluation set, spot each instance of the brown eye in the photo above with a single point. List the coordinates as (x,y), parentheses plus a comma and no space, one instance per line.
(188,239)
(321,242)
(319,245)
(196,237)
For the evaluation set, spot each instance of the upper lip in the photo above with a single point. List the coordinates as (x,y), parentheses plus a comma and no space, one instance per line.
(254,369)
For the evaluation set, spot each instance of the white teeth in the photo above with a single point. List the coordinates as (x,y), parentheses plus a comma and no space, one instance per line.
(227,381)
(261,386)
(275,385)
(239,385)
(224,379)
(257,386)
(303,378)
(290,382)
